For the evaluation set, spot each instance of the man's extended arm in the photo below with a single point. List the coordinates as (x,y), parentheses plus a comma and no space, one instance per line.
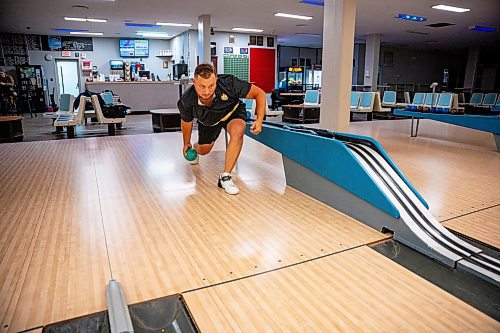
(260,98)
(187,128)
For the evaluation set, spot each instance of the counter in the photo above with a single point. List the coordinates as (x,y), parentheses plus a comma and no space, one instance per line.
(142,95)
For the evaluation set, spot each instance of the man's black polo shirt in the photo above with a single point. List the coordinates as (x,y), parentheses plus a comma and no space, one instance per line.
(228,92)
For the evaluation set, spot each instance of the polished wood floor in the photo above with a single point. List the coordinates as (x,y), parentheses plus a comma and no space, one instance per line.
(353,291)
(75,213)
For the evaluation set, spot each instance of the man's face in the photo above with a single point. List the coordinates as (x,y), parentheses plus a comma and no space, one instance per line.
(2,74)
(205,88)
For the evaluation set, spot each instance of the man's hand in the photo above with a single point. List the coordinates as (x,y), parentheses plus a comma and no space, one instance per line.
(256,127)
(185,148)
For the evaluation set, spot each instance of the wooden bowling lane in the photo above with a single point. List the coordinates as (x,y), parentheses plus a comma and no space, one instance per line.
(266,226)
(150,217)
(354,291)
(482,226)
(17,234)
(64,274)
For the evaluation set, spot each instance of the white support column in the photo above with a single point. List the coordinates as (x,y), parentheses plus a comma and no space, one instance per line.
(371,61)
(204,39)
(338,49)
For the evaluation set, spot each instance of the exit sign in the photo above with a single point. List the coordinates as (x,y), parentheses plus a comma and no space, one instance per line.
(65,54)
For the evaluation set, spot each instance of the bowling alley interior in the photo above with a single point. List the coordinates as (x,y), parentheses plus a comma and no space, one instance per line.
(249,166)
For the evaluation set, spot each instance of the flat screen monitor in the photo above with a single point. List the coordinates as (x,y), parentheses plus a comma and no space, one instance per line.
(134,48)
(144,74)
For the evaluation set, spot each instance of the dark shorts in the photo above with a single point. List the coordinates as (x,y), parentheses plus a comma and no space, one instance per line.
(208,134)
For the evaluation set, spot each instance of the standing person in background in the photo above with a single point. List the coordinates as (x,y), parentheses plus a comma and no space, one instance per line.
(215,102)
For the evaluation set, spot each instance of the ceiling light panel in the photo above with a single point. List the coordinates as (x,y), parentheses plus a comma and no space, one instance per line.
(299,17)
(86,33)
(451,8)
(85,19)
(174,24)
(247,29)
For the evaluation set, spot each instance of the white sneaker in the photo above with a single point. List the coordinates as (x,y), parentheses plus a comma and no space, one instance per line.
(227,184)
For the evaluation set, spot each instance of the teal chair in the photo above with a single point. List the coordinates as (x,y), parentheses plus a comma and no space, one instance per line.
(355,95)
(366,101)
(311,97)
(107,97)
(476,99)
(445,100)
(249,106)
(66,102)
(431,99)
(489,99)
(389,98)
(418,99)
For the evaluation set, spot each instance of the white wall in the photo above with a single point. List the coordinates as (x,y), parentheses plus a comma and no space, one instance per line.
(222,40)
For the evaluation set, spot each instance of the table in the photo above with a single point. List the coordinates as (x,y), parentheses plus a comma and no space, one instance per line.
(489,124)
(166,120)
(292,97)
(300,113)
(11,128)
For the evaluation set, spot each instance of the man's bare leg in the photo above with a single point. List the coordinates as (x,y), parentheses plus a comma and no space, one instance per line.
(236,130)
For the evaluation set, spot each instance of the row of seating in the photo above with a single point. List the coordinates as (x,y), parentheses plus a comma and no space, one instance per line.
(70,119)
(368,103)
(446,102)
(480,99)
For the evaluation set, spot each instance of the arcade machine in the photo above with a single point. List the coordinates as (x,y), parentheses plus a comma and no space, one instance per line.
(32,87)
(313,78)
(294,79)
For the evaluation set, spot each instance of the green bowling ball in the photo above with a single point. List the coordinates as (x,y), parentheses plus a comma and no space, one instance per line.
(191,154)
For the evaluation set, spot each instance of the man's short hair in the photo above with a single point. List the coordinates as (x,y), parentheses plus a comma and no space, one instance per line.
(204,70)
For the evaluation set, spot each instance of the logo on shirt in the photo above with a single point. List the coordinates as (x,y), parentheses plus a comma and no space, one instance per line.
(223,97)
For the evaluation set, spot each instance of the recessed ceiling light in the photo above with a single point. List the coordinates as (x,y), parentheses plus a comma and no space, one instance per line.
(97,20)
(85,19)
(86,33)
(80,19)
(451,8)
(300,17)
(174,24)
(153,34)
(247,29)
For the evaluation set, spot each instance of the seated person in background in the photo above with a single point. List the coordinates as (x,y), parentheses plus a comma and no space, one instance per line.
(7,87)
(5,79)
(275,97)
